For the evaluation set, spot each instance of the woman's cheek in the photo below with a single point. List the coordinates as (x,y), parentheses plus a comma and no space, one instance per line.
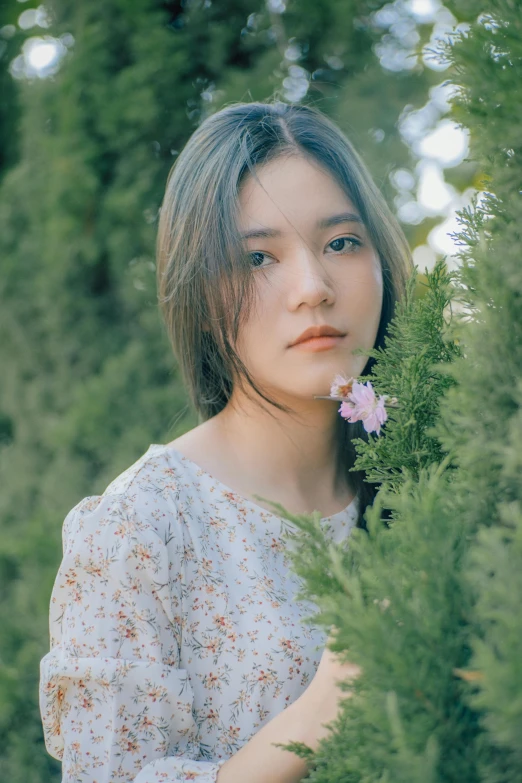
(364,305)
(253,346)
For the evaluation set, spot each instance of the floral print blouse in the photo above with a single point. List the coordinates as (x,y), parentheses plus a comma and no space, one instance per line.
(175,633)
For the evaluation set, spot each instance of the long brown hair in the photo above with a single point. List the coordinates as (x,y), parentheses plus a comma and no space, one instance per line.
(205,281)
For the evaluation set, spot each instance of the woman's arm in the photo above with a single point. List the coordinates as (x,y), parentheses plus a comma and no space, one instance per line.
(259,761)
(305,720)
(115,705)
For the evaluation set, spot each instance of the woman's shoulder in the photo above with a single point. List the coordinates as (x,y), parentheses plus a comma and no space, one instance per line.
(145,497)
(149,470)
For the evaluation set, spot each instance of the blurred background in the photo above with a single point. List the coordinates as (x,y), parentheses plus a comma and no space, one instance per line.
(97,100)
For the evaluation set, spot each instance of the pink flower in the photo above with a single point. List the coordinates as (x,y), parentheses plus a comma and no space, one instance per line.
(341,386)
(362,405)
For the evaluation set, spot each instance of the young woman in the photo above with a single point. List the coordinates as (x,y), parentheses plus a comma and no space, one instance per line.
(178,651)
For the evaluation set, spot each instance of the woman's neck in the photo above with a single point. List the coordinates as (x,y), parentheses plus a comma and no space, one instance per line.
(291,459)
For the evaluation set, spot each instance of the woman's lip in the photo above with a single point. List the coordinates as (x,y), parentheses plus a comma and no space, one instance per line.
(319,343)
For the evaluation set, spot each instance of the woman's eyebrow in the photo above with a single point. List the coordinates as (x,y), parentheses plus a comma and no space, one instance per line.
(342,217)
(327,222)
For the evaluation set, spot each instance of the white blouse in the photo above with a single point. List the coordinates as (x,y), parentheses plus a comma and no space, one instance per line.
(175,633)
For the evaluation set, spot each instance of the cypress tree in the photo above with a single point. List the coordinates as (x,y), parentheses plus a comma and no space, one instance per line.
(482,415)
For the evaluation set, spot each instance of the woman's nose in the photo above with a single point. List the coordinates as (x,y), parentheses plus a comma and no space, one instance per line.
(308,281)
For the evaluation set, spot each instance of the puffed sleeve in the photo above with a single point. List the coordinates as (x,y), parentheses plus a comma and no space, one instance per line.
(115,706)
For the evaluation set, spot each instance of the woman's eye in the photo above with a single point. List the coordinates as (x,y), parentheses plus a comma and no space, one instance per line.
(339,244)
(257,258)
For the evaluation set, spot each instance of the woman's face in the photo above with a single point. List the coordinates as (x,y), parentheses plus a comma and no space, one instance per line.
(313,264)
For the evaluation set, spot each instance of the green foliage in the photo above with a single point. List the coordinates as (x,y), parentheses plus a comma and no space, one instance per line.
(402,618)
(411,367)
(482,415)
